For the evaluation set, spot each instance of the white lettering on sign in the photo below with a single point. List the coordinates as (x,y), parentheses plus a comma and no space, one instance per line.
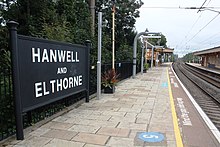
(61,70)
(184,113)
(54,55)
(41,88)
(45,56)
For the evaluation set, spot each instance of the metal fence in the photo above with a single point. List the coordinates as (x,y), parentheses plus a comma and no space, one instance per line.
(7,119)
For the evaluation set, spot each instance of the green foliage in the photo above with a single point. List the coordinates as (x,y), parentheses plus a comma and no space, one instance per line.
(4,52)
(124,53)
(146,66)
(190,58)
(78,15)
(126,12)
(51,30)
(46,19)
(159,42)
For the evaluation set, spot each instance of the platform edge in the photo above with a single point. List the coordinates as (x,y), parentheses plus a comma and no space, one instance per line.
(208,122)
(178,137)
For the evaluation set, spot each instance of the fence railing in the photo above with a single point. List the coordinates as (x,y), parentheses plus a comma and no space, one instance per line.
(7,119)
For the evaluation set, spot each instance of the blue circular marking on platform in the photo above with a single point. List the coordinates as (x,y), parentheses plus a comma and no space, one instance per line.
(151,137)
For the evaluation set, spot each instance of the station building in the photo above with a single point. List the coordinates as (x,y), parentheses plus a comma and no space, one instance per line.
(210,57)
(160,55)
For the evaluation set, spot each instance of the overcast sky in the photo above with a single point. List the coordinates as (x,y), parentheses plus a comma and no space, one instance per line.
(186,30)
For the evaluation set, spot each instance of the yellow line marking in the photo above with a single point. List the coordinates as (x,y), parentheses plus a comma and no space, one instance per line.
(179,142)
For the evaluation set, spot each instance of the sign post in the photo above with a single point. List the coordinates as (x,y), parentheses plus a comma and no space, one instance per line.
(12,25)
(88,44)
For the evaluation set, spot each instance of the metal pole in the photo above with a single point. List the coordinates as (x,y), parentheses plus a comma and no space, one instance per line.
(99,55)
(88,44)
(113,37)
(135,50)
(146,49)
(152,57)
(12,25)
(142,59)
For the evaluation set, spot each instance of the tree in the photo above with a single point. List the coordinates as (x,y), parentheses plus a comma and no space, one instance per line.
(159,42)
(46,18)
(78,15)
(125,18)
(190,58)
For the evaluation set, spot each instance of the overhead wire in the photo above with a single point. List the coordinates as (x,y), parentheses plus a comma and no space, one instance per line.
(216,42)
(194,24)
(202,28)
(182,8)
(191,29)
(210,37)
(202,5)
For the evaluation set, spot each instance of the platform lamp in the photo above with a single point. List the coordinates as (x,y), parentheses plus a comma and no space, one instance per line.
(113,34)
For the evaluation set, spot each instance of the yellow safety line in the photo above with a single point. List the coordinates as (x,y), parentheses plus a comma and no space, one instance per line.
(179,142)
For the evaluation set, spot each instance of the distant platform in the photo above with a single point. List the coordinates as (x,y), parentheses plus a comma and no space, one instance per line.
(214,70)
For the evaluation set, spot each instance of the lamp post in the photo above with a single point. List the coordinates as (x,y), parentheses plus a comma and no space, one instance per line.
(135,49)
(113,34)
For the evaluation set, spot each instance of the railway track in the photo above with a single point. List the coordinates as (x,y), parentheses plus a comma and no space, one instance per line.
(204,87)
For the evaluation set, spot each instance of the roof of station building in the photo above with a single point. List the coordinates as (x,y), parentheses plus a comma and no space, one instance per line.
(207,51)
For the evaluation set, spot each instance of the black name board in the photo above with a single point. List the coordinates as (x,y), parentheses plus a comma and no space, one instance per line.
(49,71)
(45,71)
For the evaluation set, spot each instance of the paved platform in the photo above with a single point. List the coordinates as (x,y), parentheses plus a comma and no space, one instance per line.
(140,113)
(138,105)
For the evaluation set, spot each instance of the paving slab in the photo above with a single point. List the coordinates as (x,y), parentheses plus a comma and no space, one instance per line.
(58,125)
(91,138)
(84,128)
(120,142)
(114,132)
(60,134)
(35,141)
(63,143)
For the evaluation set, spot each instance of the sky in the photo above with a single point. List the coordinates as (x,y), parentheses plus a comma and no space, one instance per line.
(186,30)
